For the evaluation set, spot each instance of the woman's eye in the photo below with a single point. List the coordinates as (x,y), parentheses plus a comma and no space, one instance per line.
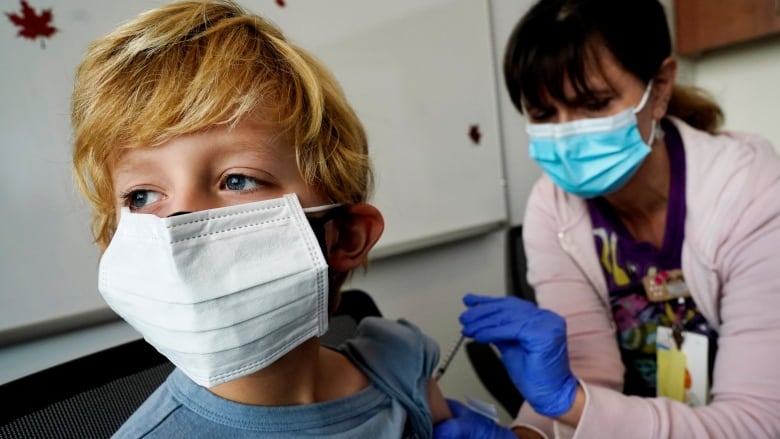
(238,182)
(140,198)
(597,105)
(539,115)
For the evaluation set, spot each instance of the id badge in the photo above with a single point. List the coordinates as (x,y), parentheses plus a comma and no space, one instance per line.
(665,285)
(682,372)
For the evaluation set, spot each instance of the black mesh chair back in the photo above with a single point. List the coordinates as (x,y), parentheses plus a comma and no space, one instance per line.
(89,397)
(353,306)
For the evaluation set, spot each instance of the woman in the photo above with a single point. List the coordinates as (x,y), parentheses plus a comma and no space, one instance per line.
(652,243)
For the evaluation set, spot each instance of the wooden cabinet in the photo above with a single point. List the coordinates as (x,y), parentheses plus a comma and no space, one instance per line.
(703,25)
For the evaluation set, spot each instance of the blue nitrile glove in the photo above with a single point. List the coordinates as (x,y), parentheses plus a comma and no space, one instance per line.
(466,423)
(532,342)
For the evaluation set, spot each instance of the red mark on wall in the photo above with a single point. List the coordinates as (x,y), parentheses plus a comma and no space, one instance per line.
(31,24)
(475,134)
(280,3)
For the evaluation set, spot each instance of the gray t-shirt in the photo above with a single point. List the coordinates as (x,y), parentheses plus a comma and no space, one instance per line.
(396,356)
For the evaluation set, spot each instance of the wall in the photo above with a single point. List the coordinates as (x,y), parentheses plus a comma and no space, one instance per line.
(519,170)
(745,80)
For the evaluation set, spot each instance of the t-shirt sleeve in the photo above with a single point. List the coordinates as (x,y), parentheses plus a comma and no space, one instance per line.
(400,360)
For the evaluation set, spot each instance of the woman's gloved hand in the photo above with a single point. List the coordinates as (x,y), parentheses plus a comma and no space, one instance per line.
(466,423)
(532,342)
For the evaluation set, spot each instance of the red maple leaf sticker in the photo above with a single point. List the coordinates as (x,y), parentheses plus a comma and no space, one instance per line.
(32,25)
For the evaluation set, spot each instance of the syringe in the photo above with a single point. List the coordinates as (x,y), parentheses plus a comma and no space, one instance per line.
(445,362)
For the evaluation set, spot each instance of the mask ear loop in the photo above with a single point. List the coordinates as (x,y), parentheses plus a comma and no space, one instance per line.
(645,97)
(317,223)
(322,208)
(641,106)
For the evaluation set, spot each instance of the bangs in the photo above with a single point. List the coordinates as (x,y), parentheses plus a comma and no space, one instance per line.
(552,65)
(212,77)
(545,54)
(210,80)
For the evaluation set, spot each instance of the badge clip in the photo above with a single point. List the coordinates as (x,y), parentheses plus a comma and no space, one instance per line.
(665,285)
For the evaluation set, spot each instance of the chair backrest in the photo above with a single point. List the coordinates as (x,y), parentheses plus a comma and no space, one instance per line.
(517,266)
(353,306)
(89,397)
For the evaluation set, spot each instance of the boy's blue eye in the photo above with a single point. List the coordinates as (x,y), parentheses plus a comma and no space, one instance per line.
(140,198)
(238,182)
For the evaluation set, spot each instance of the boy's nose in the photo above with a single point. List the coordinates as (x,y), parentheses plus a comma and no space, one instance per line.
(191,200)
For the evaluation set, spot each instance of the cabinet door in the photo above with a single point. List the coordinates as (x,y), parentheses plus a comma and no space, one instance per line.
(708,24)
(775,6)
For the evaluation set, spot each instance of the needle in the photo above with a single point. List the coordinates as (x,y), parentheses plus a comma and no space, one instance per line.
(445,363)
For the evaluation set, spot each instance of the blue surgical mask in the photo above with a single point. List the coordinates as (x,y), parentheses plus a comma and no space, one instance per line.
(591,157)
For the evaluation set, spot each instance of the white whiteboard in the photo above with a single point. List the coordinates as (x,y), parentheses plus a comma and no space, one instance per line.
(419,74)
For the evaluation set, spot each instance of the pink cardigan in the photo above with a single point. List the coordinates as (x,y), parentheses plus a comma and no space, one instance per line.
(731,262)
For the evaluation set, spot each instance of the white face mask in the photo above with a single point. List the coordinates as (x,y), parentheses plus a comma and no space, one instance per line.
(223,292)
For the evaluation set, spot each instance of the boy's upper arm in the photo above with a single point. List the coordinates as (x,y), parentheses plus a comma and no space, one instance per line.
(400,359)
(439,408)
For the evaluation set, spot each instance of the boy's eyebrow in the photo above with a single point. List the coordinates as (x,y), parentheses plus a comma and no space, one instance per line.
(124,165)
(258,148)
(254,146)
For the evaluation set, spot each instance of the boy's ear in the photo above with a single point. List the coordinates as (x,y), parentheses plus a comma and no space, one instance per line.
(355,234)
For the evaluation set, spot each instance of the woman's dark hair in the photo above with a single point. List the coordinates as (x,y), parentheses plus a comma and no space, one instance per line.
(556,38)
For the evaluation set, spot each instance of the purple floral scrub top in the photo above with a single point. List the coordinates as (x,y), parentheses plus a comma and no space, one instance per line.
(626,262)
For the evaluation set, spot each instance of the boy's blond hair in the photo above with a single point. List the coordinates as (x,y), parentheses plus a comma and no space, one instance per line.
(191,65)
